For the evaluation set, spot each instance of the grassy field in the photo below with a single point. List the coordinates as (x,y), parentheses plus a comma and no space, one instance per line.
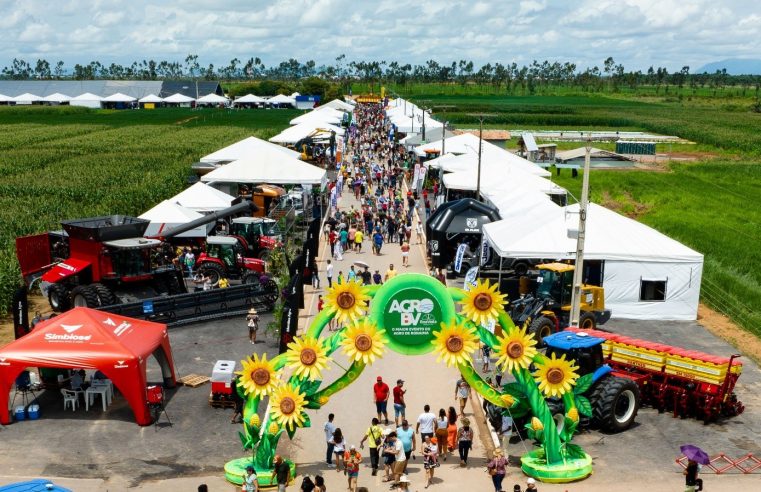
(711,205)
(63,163)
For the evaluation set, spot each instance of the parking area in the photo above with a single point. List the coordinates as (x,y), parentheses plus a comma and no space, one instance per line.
(110,446)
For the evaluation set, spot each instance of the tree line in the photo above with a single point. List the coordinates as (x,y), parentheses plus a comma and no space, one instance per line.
(508,77)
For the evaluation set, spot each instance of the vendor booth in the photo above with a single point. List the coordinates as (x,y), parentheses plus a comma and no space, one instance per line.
(454,223)
(84,338)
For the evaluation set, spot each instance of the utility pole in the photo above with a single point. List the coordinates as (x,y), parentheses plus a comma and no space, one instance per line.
(444,138)
(578,271)
(480,146)
(423,125)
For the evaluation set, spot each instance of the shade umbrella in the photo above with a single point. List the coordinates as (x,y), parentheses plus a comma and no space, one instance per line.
(694,453)
(361,264)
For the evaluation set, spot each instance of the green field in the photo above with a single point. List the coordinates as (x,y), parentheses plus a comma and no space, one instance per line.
(712,205)
(63,163)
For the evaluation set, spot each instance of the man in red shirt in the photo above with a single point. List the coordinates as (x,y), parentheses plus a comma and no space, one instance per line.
(399,404)
(380,396)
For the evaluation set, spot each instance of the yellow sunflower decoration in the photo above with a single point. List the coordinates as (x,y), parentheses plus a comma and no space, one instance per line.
(516,350)
(287,406)
(363,342)
(307,357)
(347,300)
(258,376)
(455,343)
(483,303)
(556,376)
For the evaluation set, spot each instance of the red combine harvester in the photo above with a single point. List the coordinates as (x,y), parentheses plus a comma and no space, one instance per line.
(687,383)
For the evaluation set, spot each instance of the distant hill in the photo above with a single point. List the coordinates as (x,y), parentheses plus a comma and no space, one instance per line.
(734,66)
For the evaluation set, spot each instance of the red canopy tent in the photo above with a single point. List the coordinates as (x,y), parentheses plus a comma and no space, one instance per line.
(89,339)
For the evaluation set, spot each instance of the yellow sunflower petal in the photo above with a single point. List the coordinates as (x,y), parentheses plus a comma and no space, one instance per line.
(454,343)
(516,350)
(347,300)
(363,342)
(307,357)
(287,406)
(483,303)
(556,376)
(258,376)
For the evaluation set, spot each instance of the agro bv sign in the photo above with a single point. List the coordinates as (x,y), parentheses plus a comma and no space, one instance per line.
(410,307)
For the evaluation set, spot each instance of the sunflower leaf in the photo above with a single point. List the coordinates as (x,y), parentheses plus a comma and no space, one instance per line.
(307,421)
(574,451)
(309,386)
(583,405)
(583,384)
(291,430)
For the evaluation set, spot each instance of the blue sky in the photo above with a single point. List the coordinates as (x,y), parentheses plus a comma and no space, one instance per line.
(637,33)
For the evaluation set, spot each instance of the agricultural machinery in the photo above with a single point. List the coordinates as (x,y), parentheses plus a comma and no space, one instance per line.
(627,373)
(258,235)
(225,256)
(547,310)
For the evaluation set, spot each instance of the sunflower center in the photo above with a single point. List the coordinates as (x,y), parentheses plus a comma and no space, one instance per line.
(287,405)
(261,376)
(454,343)
(555,375)
(363,342)
(308,356)
(345,300)
(515,349)
(482,301)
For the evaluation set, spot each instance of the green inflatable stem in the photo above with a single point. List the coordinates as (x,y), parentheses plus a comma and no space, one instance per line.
(347,378)
(319,323)
(476,381)
(541,411)
(456,293)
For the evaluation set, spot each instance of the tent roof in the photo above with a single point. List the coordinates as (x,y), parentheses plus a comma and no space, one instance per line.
(167,215)
(320,114)
(268,166)
(580,153)
(529,142)
(151,98)
(135,88)
(202,197)
(87,96)
(281,99)
(57,97)
(178,98)
(250,98)
(247,147)
(4,98)
(212,98)
(430,136)
(297,132)
(609,236)
(119,97)
(339,105)
(27,97)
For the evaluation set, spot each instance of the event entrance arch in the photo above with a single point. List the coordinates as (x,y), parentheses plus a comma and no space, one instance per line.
(412,314)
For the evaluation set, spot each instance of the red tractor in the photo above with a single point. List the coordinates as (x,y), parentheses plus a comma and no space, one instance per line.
(225,256)
(259,235)
(95,258)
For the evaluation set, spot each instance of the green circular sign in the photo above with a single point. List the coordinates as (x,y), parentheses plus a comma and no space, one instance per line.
(410,307)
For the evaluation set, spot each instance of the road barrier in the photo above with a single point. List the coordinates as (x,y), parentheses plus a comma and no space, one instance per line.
(721,463)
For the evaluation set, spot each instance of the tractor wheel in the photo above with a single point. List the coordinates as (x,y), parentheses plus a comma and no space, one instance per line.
(84,296)
(540,328)
(251,278)
(105,296)
(58,296)
(587,321)
(520,268)
(271,292)
(213,271)
(264,255)
(615,402)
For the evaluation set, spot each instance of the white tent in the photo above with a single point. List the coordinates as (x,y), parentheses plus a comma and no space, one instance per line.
(248,147)
(268,166)
(151,98)
(5,99)
(27,98)
(178,99)
(250,99)
(323,114)
(339,105)
(646,274)
(281,99)
(57,98)
(119,98)
(87,100)
(297,132)
(202,198)
(522,202)
(168,215)
(212,99)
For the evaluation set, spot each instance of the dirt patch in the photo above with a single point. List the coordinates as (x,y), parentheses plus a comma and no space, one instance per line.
(488,134)
(36,303)
(626,205)
(724,328)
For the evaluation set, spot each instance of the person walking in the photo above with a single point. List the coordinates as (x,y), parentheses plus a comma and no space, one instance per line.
(250,482)
(497,469)
(307,485)
(419,231)
(377,278)
(425,423)
(407,436)
(367,277)
(237,402)
(400,460)
(344,235)
(451,431)
(486,354)
(333,239)
(352,274)
(464,441)
(352,459)
(406,254)
(399,404)
(390,273)
(441,432)
(377,242)
(319,484)
(339,448)
(329,273)
(380,397)
(461,394)
(358,236)
(329,428)
(252,321)
(531,484)
(374,436)
(282,473)
(430,460)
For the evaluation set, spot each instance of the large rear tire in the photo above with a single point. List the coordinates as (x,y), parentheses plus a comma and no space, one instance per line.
(271,292)
(58,297)
(587,321)
(84,296)
(251,278)
(105,296)
(213,271)
(541,327)
(615,402)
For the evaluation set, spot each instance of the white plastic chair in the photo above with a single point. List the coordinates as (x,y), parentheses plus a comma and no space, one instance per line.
(70,397)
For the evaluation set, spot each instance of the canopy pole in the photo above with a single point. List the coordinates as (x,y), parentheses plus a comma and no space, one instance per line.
(579,268)
(480,146)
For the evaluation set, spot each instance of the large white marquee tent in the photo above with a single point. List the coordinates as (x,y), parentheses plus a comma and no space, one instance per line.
(203,199)
(168,215)
(248,147)
(297,132)
(268,166)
